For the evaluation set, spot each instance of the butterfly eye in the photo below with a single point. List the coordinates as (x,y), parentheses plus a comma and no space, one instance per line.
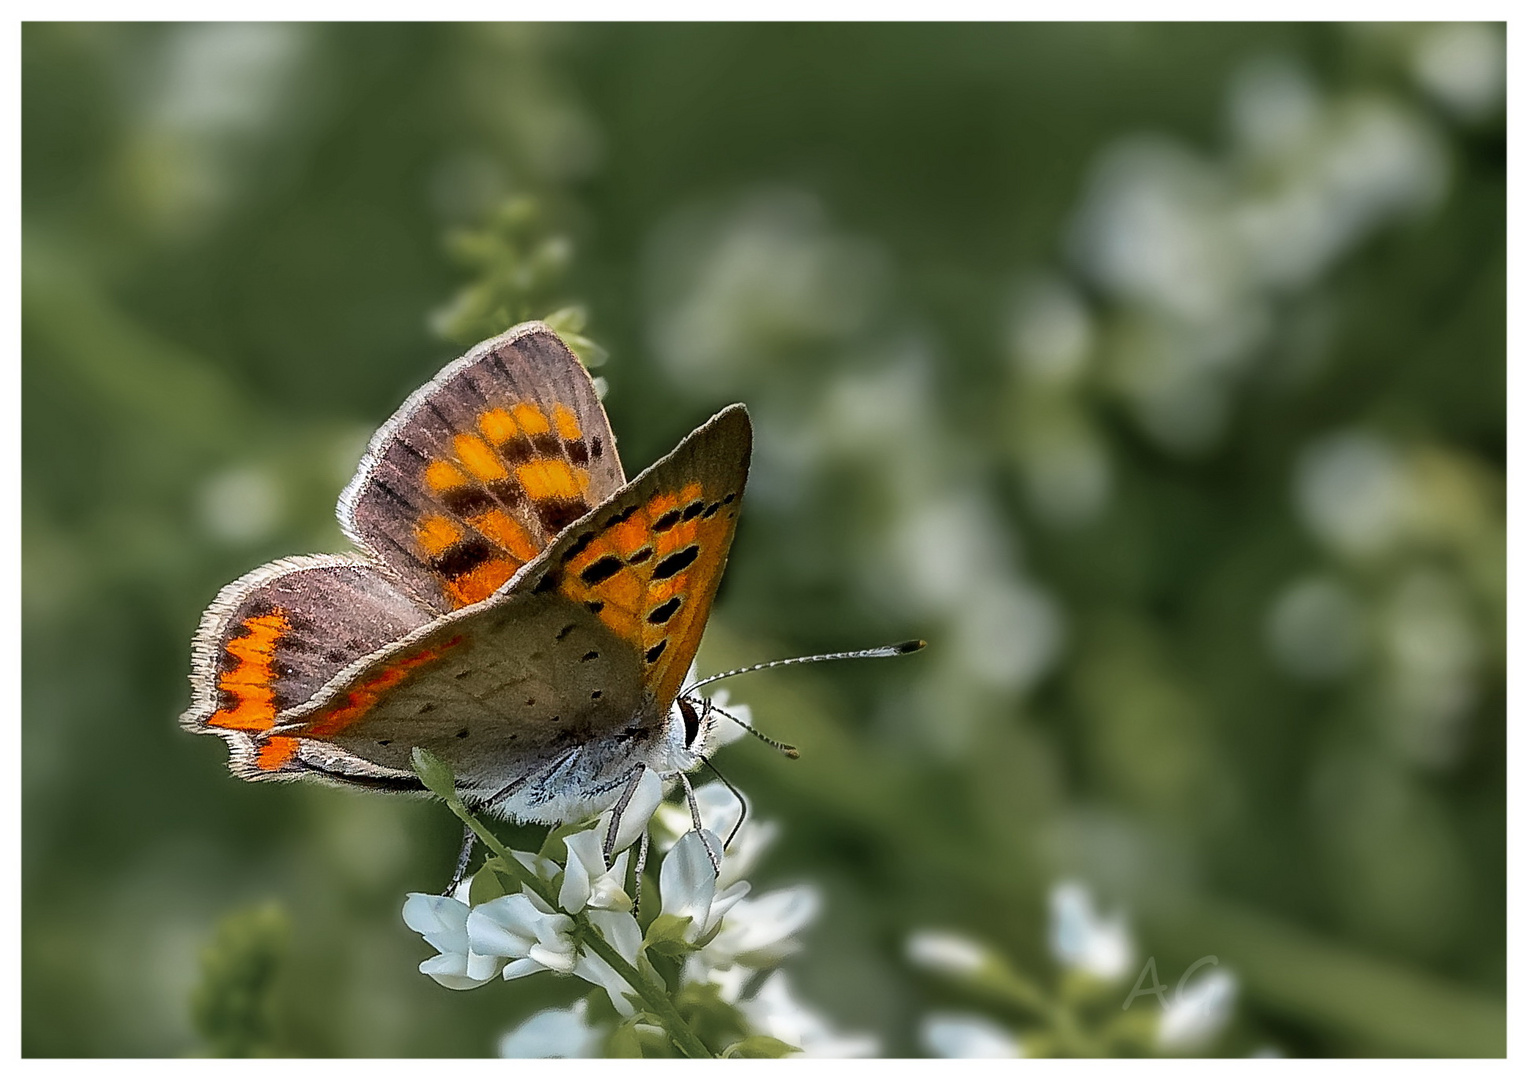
(691,721)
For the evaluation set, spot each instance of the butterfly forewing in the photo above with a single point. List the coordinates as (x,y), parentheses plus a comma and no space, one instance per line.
(482,467)
(649,568)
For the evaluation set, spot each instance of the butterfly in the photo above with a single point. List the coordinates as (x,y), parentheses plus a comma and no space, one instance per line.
(516,607)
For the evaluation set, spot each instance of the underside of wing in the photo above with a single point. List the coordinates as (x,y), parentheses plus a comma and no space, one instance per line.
(273,638)
(482,467)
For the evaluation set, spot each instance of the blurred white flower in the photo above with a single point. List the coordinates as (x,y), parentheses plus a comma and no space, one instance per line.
(761,932)
(1352,492)
(1197,1013)
(554,1033)
(1052,333)
(964,1035)
(1463,66)
(727,731)
(946,953)
(774,1011)
(522,928)
(1315,629)
(243,505)
(442,920)
(1082,939)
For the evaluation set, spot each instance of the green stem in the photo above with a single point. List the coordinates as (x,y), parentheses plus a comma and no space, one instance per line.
(496,845)
(656,997)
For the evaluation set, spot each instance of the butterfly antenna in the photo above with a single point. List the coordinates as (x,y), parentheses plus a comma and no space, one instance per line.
(785,748)
(900,649)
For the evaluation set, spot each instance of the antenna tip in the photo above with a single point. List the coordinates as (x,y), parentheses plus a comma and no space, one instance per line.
(790,751)
(911,646)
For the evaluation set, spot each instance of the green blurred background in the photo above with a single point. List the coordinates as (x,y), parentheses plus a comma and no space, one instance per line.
(1155,374)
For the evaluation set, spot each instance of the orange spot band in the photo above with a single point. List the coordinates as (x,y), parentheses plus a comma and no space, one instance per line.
(360,700)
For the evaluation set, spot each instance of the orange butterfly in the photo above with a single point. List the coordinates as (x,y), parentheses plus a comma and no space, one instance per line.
(517,607)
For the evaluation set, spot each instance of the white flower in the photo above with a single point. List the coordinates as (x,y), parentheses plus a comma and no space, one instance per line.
(961,1035)
(587,880)
(1083,940)
(946,953)
(687,883)
(554,1033)
(622,932)
(759,932)
(773,1011)
(639,810)
(1197,1013)
(521,927)
(442,920)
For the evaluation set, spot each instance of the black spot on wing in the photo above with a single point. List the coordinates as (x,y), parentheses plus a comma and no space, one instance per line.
(676,562)
(557,514)
(466,500)
(601,569)
(664,612)
(666,522)
(461,558)
(656,651)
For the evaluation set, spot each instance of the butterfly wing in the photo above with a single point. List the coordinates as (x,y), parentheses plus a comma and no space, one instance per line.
(481,467)
(585,650)
(274,637)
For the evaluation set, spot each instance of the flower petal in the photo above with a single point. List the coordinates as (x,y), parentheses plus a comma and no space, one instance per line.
(586,862)
(441,920)
(507,926)
(621,930)
(450,970)
(687,881)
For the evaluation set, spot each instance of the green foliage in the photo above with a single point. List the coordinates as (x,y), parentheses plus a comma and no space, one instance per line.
(234,1006)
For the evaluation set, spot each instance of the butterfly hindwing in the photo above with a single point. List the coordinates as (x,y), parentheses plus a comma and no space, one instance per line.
(273,638)
(482,467)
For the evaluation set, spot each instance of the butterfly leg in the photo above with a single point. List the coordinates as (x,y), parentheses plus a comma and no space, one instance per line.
(736,794)
(700,829)
(469,842)
(619,810)
(636,896)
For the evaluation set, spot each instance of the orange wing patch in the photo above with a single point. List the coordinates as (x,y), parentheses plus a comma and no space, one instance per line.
(652,574)
(358,702)
(510,487)
(248,688)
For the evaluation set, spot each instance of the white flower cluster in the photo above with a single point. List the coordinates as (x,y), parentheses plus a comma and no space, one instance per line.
(1085,944)
(729,937)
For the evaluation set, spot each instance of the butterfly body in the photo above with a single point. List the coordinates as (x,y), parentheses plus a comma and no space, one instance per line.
(517,608)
